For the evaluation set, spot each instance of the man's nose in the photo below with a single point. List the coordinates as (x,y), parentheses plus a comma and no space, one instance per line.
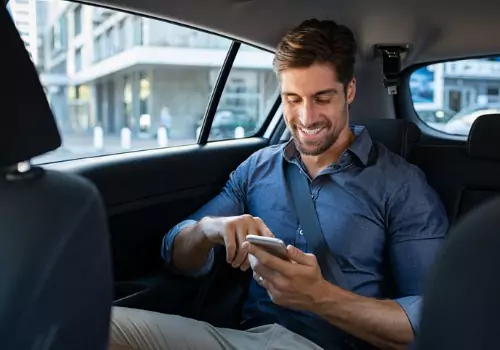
(307,114)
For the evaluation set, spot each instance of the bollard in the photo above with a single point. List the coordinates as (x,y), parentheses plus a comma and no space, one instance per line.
(98,137)
(239,132)
(125,138)
(162,136)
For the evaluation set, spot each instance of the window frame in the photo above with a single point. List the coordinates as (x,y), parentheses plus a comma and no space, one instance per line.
(216,93)
(404,105)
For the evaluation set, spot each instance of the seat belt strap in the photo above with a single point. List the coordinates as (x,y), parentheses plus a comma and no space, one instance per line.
(298,186)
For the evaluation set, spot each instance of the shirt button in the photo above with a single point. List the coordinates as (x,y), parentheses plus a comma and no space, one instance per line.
(301,233)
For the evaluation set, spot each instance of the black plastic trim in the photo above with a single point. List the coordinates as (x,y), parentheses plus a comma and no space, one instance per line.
(269,118)
(213,104)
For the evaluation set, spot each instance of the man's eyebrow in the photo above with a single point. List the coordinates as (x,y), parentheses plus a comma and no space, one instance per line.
(319,93)
(326,92)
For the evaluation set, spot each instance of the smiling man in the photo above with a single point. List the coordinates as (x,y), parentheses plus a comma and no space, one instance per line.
(379,218)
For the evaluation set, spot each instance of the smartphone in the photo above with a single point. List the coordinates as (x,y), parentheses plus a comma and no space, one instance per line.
(271,245)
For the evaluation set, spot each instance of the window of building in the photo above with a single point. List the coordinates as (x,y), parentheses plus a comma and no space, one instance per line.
(138,30)
(78,59)
(121,44)
(97,49)
(450,96)
(78,20)
(141,100)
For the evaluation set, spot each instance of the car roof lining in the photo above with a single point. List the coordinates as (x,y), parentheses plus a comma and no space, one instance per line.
(435,29)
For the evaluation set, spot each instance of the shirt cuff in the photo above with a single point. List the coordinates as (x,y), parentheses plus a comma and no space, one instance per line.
(166,251)
(411,306)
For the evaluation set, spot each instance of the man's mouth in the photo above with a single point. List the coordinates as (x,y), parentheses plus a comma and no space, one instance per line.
(309,131)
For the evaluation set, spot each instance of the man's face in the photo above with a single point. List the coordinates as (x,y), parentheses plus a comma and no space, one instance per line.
(315,106)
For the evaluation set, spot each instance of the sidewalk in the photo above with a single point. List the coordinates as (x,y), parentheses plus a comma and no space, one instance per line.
(81,146)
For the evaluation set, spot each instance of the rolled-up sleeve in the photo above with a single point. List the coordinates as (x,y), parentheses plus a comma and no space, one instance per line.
(166,250)
(417,225)
(229,202)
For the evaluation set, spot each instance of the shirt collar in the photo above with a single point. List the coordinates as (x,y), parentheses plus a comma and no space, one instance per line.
(361,147)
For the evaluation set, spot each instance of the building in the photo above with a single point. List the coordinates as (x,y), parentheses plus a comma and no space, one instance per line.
(471,82)
(116,70)
(24,13)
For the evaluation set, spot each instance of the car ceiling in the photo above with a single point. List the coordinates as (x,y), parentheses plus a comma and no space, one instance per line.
(436,29)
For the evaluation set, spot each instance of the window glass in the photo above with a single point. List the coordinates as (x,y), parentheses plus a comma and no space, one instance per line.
(126,82)
(450,96)
(251,90)
(78,20)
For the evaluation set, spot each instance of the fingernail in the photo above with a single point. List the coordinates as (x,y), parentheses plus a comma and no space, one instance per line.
(245,245)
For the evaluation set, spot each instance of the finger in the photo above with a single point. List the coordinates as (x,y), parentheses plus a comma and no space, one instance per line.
(261,281)
(258,278)
(265,272)
(246,264)
(261,228)
(300,257)
(269,260)
(230,243)
(273,284)
(241,254)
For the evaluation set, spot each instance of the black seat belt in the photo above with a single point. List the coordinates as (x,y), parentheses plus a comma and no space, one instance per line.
(298,186)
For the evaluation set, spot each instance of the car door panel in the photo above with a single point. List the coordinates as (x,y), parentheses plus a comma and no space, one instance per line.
(146,193)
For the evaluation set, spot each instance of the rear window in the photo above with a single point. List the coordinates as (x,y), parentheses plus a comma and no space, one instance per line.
(449,96)
(119,82)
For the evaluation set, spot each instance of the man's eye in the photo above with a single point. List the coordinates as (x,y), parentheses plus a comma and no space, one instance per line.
(293,101)
(323,101)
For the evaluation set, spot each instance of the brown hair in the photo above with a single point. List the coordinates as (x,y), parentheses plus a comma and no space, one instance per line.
(315,41)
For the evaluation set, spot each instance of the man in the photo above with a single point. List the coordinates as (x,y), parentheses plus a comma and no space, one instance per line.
(380,219)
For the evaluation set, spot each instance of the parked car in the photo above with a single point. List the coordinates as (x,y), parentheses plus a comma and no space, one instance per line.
(461,123)
(226,121)
(435,115)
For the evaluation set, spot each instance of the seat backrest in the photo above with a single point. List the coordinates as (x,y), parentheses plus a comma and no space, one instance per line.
(464,176)
(54,247)
(461,304)
(397,135)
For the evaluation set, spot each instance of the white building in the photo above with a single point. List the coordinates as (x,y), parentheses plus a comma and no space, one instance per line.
(24,14)
(113,69)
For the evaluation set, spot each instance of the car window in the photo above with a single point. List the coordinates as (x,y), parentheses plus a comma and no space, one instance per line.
(450,96)
(247,98)
(118,82)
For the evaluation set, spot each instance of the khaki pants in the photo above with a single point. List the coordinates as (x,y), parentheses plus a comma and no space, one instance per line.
(146,330)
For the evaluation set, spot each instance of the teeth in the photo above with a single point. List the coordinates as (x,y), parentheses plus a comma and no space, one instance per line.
(311,131)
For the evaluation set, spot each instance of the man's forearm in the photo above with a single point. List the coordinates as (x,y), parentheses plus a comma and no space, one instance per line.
(191,248)
(382,323)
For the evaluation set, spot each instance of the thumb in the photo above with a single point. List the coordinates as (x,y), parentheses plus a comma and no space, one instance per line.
(300,257)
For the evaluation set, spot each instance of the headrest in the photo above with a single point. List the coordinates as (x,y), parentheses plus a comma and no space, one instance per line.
(484,137)
(461,304)
(27,127)
(396,134)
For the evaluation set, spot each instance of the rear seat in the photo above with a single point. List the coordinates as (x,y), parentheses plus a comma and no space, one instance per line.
(397,135)
(464,176)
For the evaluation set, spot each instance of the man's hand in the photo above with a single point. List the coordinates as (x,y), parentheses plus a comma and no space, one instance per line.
(296,284)
(231,232)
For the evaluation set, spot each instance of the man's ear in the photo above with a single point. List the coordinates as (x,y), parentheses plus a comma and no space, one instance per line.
(351,91)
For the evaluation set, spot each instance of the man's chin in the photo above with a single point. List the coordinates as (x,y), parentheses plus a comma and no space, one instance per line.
(309,150)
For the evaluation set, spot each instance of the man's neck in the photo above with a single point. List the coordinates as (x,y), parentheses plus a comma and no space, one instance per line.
(316,164)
